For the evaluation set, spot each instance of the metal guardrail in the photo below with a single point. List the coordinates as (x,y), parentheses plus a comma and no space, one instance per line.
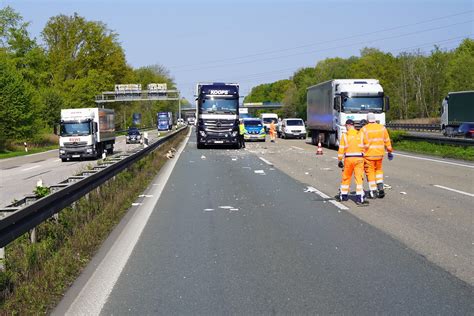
(465,142)
(415,127)
(22,220)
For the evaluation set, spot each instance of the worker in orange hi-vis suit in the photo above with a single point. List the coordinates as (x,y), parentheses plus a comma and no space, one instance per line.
(351,150)
(376,140)
(272,132)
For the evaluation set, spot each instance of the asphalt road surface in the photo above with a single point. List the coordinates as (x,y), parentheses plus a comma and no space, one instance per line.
(230,234)
(19,175)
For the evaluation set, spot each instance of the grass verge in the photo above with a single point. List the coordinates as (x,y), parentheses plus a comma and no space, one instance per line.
(21,152)
(420,147)
(37,275)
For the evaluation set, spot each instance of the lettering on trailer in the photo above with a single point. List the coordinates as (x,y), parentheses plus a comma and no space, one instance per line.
(219,92)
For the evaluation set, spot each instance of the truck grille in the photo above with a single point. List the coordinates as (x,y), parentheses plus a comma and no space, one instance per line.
(75,144)
(219,125)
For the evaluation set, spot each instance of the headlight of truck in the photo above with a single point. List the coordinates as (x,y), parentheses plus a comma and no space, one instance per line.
(234,133)
(62,151)
(89,150)
(203,133)
(138,137)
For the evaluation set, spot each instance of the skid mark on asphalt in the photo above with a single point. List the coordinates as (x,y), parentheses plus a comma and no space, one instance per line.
(36,175)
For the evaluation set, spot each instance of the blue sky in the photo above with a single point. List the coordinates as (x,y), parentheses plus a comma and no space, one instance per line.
(260,41)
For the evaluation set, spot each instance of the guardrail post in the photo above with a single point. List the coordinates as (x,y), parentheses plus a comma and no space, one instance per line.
(145,139)
(2,259)
(33,238)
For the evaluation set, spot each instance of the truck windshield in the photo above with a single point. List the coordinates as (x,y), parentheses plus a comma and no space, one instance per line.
(269,120)
(215,105)
(363,104)
(75,129)
(163,116)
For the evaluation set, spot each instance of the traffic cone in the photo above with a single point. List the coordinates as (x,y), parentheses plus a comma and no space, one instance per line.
(320,149)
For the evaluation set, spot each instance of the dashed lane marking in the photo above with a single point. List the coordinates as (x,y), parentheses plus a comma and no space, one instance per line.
(454,190)
(325,196)
(265,161)
(295,147)
(31,168)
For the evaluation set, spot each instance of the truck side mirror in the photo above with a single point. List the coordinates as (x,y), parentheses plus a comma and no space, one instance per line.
(337,103)
(94,127)
(387,103)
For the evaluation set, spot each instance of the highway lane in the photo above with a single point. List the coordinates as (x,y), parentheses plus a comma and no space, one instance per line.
(420,208)
(233,235)
(19,175)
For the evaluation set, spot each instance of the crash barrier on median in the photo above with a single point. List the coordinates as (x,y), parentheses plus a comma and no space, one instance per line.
(22,216)
(415,127)
(465,142)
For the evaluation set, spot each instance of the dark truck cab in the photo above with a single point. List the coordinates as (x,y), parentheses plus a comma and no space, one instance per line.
(217,108)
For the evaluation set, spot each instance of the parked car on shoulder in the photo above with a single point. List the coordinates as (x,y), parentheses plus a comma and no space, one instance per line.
(293,128)
(466,129)
(255,130)
(133,136)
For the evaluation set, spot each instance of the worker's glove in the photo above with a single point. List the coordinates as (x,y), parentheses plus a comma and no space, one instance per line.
(390,156)
(340,164)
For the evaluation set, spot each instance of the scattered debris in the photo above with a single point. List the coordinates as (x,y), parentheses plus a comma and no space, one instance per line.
(404,193)
(306,173)
(325,169)
(386,186)
(208,209)
(203,157)
(226,207)
(136,204)
(259,172)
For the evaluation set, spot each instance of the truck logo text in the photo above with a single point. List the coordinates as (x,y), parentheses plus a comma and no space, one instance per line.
(219,91)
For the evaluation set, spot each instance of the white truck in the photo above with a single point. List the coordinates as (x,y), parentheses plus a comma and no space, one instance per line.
(331,103)
(86,133)
(268,118)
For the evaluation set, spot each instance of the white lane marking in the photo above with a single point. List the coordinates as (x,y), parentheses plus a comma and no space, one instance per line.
(226,207)
(208,209)
(145,195)
(299,148)
(339,205)
(265,161)
(454,190)
(325,196)
(136,204)
(93,296)
(31,168)
(259,172)
(436,160)
(314,190)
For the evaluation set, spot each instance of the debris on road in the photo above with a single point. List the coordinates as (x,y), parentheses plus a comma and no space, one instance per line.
(404,193)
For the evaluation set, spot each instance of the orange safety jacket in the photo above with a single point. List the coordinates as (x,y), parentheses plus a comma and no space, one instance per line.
(376,139)
(351,145)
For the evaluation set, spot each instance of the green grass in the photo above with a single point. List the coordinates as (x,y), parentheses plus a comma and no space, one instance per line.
(16,153)
(37,275)
(438,150)
(445,151)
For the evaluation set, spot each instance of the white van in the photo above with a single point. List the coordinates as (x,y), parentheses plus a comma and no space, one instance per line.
(267,118)
(293,127)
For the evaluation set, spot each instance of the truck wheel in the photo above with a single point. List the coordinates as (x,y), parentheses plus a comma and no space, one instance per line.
(63,159)
(200,146)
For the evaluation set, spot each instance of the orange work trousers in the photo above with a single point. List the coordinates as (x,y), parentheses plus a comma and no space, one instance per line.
(353,165)
(374,172)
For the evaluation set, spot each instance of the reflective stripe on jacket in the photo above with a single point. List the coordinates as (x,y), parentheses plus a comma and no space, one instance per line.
(351,145)
(376,139)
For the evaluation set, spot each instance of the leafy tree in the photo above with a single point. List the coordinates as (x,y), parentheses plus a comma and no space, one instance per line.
(16,115)
(460,69)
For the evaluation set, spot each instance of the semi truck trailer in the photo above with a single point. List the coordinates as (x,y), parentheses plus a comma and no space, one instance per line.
(86,133)
(457,107)
(331,103)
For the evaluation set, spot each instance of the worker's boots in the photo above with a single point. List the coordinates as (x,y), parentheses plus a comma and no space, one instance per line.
(342,197)
(381,193)
(360,201)
(373,194)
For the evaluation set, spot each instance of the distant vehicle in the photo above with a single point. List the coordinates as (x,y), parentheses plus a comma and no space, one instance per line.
(293,128)
(86,132)
(165,121)
(466,129)
(268,118)
(217,110)
(331,103)
(133,136)
(191,120)
(255,129)
(457,107)
(180,122)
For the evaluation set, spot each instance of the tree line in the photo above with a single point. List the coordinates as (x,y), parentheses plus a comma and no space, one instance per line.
(415,82)
(77,60)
